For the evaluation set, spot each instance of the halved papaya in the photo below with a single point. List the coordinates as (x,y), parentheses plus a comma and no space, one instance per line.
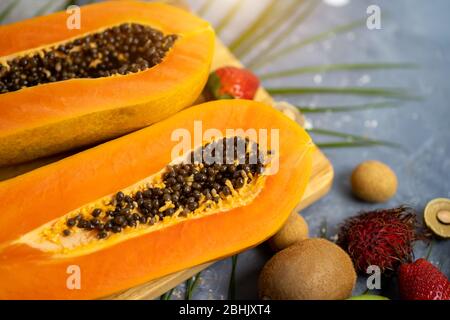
(130,64)
(151,203)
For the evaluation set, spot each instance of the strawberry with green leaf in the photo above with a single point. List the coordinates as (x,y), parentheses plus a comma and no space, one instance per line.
(232,83)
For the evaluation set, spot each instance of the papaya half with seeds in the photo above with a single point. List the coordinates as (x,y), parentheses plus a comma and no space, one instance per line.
(140,207)
(129,65)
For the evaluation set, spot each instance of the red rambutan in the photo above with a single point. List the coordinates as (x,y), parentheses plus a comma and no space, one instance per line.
(383,238)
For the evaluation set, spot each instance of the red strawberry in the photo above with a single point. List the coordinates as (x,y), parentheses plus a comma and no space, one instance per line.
(421,280)
(232,83)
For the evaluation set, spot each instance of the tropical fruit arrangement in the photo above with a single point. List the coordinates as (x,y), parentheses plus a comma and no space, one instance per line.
(136,179)
(128,211)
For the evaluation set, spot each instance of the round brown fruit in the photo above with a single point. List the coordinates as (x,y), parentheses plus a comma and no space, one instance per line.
(294,230)
(437,217)
(312,269)
(374,181)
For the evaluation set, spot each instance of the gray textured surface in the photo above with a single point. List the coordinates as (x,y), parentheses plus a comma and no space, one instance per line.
(412,31)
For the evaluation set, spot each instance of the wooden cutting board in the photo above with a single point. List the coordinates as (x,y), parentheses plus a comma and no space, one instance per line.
(319,185)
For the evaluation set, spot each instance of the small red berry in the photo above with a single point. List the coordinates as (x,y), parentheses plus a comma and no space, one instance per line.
(421,280)
(383,238)
(233,83)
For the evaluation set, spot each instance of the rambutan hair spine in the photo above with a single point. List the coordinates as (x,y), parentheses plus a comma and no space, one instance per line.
(382,237)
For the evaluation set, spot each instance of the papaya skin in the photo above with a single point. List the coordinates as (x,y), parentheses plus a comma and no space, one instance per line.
(53,190)
(55,117)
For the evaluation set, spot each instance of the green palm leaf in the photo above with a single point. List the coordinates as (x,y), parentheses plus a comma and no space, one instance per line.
(350,139)
(270,27)
(323,231)
(44,9)
(205,7)
(9,8)
(232,284)
(346,144)
(253,28)
(229,16)
(336,67)
(298,19)
(167,295)
(358,91)
(360,107)
(191,284)
(319,37)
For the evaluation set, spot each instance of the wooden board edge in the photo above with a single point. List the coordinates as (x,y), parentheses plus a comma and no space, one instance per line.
(155,288)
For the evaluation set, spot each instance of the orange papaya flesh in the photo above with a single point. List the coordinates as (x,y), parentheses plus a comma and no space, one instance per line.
(52,117)
(35,254)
